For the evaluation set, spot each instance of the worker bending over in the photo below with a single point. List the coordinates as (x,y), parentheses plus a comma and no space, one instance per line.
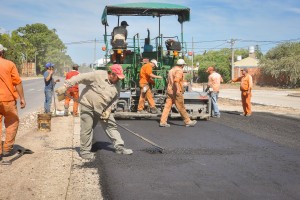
(96,99)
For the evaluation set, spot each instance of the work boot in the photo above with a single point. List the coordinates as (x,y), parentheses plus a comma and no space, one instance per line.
(123,150)
(9,153)
(191,123)
(142,112)
(87,156)
(164,125)
(66,113)
(154,110)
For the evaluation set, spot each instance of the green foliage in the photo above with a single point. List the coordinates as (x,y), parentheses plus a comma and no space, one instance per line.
(36,42)
(282,63)
(220,59)
(188,77)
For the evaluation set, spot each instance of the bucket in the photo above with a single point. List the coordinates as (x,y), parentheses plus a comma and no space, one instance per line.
(44,122)
(60,97)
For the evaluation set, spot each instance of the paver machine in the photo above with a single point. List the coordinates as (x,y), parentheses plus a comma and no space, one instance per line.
(135,52)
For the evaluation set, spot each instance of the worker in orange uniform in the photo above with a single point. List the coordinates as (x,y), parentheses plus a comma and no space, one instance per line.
(246,91)
(72,92)
(175,96)
(146,83)
(11,88)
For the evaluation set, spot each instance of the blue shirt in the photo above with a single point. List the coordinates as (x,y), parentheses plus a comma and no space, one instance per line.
(49,85)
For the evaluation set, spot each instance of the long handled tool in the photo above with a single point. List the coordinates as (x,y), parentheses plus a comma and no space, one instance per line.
(159,148)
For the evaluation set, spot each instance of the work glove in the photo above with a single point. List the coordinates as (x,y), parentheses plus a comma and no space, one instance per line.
(105,115)
(61,90)
(61,93)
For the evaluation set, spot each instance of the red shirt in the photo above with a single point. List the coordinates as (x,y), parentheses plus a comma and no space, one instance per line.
(69,75)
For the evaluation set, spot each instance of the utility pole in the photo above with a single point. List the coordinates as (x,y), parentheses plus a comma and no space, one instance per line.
(232,41)
(192,59)
(95,51)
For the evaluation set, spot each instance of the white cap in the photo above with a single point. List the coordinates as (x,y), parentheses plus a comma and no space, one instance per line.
(154,62)
(2,48)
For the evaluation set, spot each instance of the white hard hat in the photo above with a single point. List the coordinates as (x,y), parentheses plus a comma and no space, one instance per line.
(154,62)
(181,62)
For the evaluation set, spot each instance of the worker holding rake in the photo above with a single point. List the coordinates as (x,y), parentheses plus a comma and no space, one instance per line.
(96,99)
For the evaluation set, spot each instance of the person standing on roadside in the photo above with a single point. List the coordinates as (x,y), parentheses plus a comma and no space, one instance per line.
(213,86)
(97,98)
(146,83)
(49,86)
(175,96)
(11,88)
(72,92)
(246,91)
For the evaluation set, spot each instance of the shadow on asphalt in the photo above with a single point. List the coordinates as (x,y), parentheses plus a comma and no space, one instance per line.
(102,146)
(231,112)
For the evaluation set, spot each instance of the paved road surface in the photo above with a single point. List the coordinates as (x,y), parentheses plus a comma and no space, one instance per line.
(233,157)
(34,95)
(282,98)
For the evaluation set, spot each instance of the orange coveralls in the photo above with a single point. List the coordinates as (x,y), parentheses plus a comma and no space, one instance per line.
(9,78)
(146,80)
(246,92)
(175,95)
(72,92)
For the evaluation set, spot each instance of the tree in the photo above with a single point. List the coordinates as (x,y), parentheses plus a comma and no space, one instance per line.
(36,42)
(219,59)
(282,63)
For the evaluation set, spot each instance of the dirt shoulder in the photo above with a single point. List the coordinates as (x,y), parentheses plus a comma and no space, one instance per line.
(54,170)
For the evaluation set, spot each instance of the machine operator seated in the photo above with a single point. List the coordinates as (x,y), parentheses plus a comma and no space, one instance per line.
(172,45)
(118,41)
(119,36)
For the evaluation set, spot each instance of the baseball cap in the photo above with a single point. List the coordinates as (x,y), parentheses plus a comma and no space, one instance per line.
(2,48)
(210,69)
(154,62)
(48,65)
(117,69)
(124,23)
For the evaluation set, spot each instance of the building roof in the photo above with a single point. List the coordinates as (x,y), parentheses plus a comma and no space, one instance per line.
(247,62)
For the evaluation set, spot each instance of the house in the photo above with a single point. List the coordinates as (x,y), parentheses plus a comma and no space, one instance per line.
(251,63)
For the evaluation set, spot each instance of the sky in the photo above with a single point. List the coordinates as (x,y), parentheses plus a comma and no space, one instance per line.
(213,23)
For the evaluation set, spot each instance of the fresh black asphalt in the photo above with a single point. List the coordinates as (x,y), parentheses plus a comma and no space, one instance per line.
(233,157)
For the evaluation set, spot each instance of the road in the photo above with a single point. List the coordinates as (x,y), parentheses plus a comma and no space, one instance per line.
(232,157)
(34,95)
